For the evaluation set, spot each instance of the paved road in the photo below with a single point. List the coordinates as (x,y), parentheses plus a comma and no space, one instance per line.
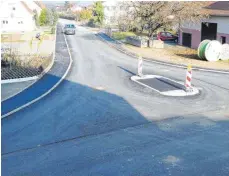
(99,122)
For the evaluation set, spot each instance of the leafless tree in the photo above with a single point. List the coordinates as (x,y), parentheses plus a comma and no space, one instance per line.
(153,15)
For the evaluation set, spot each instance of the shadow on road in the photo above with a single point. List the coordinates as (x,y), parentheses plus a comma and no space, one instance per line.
(79,130)
(130,72)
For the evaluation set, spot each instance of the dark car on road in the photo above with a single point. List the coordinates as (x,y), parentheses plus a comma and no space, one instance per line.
(69,29)
(167,36)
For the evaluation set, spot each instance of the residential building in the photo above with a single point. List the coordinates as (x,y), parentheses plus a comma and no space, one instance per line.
(18,15)
(216,27)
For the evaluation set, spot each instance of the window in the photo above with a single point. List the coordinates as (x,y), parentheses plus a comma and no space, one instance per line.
(163,34)
(223,39)
(4,22)
(168,34)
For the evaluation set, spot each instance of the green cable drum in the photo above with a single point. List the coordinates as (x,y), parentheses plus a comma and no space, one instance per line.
(201,48)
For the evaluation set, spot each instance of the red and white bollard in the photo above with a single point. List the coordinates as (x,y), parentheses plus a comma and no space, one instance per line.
(140,66)
(188,84)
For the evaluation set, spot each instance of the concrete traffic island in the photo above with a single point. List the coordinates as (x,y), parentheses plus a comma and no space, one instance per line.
(165,86)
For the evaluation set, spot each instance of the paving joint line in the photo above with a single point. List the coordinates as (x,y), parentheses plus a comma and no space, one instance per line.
(106,132)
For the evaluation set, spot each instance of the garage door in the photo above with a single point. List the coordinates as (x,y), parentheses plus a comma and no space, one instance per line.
(186,39)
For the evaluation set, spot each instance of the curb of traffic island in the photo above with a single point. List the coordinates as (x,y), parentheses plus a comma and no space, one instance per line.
(49,91)
(33,77)
(161,62)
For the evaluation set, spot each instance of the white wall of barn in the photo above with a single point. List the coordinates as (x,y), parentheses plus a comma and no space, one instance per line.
(222,24)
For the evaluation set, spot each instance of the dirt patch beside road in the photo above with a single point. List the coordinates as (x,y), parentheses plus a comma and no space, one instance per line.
(177,55)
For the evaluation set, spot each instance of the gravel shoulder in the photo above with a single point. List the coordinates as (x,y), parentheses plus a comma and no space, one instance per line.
(176,55)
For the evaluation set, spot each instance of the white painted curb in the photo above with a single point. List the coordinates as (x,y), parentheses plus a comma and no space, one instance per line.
(34,77)
(167,64)
(173,93)
(49,91)
(7,81)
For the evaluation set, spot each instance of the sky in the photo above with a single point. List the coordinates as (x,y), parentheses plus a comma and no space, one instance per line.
(62,2)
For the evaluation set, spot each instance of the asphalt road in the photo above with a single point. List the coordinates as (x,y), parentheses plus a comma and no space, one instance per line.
(99,122)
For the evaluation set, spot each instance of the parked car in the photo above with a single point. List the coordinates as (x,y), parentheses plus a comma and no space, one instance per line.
(69,29)
(167,36)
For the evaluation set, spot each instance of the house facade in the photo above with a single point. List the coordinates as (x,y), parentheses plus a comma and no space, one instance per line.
(216,27)
(18,16)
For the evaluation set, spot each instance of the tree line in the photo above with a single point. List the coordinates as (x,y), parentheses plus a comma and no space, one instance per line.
(146,16)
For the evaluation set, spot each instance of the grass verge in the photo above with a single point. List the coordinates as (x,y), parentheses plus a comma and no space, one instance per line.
(122,35)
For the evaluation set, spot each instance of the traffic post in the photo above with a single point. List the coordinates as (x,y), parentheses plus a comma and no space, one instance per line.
(140,66)
(188,80)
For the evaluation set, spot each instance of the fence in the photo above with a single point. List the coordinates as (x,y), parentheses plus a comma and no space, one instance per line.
(14,67)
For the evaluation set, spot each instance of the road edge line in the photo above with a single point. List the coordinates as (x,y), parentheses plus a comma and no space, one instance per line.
(49,91)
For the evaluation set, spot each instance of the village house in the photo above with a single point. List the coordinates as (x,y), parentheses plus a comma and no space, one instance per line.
(216,27)
(19,15)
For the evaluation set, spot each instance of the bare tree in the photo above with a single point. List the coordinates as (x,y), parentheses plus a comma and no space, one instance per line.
(155,15)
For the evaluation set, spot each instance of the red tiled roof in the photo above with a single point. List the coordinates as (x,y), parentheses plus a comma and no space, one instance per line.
(26,7)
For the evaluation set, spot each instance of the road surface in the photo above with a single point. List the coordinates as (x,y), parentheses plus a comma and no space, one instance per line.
(99,122)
